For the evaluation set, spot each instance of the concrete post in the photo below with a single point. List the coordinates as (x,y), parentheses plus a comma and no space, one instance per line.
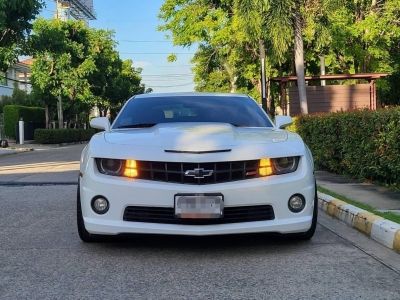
(322,68)
(21,132)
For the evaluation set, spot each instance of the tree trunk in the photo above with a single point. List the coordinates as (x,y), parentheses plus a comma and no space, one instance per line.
(232,77)
(60,113)
(46,112)
(270,100)
(233,84)
(299,62)
(261,48)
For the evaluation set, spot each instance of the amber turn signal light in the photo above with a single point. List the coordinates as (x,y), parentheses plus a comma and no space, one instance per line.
(130,169)
(265,167)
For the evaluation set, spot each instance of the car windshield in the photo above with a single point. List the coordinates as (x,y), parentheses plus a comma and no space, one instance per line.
(149,111)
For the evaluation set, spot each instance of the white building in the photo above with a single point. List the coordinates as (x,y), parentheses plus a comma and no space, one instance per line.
(75,9)
(17,75)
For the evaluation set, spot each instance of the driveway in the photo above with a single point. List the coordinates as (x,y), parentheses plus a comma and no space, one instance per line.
(42,257)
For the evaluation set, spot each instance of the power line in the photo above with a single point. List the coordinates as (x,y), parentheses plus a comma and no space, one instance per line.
(172,66)
(149,79)
(159,53)
(167,86)
(167,79)
(163,75)
(48,10)
(46,7)
(166,66)
(164,80)
(144,41)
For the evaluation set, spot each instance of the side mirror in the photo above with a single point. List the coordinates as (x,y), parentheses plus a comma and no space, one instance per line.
(101,123)
(283,121)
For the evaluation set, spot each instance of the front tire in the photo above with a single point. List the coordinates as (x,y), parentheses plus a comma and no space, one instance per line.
(85,236)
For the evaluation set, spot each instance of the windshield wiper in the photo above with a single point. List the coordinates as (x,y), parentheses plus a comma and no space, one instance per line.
(139,125)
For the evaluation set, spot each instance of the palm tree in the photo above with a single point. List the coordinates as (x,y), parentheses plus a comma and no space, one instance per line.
(297,23)
(251,15)
(279,23)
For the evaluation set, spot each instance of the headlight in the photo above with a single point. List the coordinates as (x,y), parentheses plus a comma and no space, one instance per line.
(283,165)
(277,166)
(117,167)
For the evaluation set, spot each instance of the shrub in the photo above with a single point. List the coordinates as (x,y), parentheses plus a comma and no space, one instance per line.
(363,144)
(57,136)
(13,113)
(19,97)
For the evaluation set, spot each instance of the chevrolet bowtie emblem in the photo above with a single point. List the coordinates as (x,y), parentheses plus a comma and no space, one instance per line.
(199,173)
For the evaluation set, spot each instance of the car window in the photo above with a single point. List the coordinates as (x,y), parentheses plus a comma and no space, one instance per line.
(238,111)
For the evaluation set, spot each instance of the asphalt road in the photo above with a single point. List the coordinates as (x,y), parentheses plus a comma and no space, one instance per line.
(41,256)
(58,165)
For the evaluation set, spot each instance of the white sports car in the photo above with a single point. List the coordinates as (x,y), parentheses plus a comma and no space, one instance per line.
(195,164)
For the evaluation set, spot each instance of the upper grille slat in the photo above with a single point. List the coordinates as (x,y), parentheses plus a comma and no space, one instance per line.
(151,172)
(166,171)
(175,171)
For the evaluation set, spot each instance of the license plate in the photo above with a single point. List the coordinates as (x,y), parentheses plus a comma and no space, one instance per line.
(199,206)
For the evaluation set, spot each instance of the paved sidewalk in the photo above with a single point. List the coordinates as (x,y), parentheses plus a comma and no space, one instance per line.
(14,149)
(376,196)
(32,146)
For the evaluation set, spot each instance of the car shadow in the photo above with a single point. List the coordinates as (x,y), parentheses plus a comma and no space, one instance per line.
(138,241)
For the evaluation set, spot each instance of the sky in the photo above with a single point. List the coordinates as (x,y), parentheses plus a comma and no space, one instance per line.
(135,25)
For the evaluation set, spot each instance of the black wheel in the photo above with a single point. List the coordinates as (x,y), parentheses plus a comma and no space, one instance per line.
(310,232)
(83,233)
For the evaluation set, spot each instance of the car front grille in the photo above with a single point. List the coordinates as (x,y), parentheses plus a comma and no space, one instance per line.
(167,215)
(176,171)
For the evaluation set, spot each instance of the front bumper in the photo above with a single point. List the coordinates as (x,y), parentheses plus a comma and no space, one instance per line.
(123,192)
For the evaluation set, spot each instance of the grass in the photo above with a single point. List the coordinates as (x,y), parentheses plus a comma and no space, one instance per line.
(387,215)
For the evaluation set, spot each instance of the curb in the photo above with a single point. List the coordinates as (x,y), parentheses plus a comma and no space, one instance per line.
(381,230)
(32,147)
(11,151)
(66,144)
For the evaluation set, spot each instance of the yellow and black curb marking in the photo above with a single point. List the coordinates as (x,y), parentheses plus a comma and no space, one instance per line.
(381,230)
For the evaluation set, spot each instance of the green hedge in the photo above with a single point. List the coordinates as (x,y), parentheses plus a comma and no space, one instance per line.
(363,144)
(13,113)
(57,136)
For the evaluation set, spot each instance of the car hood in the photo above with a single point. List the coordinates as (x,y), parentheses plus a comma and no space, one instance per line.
(194,137)
(200,142)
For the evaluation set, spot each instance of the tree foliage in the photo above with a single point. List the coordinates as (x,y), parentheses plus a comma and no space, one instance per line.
(80,65)
(222,48)
(63,58)
(15,24)
(351,35)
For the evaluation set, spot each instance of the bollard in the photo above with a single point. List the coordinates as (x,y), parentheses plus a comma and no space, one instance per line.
(21,132)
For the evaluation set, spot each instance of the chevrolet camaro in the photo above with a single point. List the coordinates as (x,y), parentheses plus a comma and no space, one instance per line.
(195,164)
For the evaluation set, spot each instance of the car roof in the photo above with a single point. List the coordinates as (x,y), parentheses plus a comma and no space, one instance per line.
(191,94)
